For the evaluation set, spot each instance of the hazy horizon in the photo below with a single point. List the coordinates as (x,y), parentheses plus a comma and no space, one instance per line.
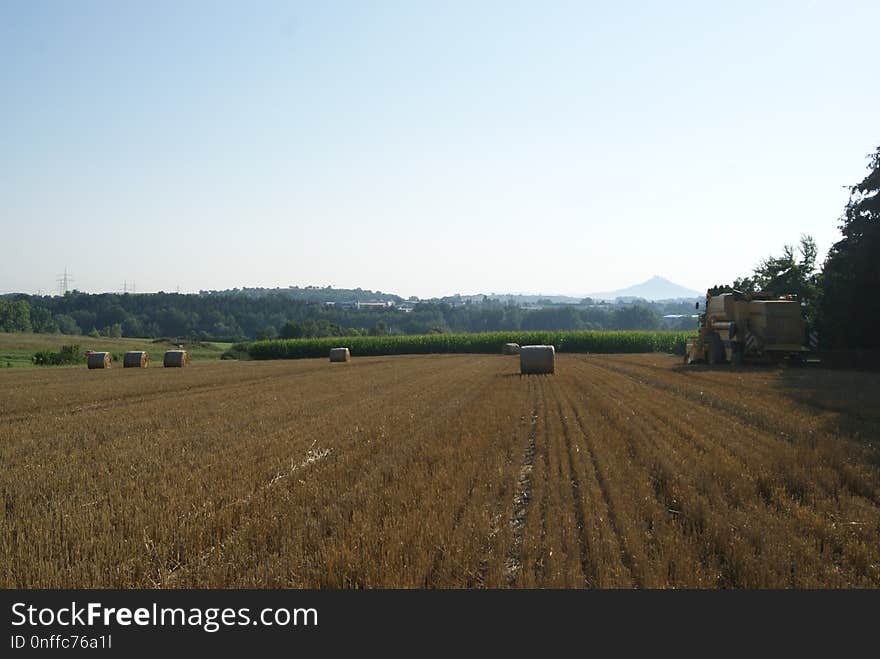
(425,150)
(129,287)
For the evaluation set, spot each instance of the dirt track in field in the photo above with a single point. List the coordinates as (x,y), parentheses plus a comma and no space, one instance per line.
(440,471)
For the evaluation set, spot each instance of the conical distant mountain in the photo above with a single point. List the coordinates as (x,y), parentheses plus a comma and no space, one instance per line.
(656,288)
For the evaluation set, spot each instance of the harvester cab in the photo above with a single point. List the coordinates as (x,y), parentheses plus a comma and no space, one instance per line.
(735,327)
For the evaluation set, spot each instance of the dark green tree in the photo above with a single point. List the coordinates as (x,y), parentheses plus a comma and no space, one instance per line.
(291,330)
(265,333)
(113,331)
(42,321)
(15,316)
(635,317)
(67,324)
(849,304)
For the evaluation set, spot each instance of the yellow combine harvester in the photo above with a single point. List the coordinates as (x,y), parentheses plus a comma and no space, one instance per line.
(748,326)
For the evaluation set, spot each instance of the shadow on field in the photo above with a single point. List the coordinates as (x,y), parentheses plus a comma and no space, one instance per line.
(850,399)
(846,401)
(725,368)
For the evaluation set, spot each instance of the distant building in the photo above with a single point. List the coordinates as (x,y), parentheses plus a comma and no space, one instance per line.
(376,304)
(355,304)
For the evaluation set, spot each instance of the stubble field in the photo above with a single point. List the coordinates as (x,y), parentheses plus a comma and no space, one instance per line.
(440,471)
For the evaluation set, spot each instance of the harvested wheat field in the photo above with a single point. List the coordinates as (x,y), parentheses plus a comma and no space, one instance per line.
(440,471)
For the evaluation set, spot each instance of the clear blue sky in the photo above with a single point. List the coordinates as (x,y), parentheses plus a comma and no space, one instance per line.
(425,148)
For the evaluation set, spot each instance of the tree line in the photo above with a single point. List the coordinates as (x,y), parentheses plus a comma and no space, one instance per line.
(236,317)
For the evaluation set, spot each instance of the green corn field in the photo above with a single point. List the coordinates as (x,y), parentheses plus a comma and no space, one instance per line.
(584,341)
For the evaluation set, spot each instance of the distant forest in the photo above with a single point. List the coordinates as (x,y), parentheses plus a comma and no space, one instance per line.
(248,314)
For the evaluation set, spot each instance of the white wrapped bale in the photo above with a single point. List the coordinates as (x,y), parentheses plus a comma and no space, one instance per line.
(510,349)
(537,360)
(340,355)
(135,359)
(177,358)
(99,360)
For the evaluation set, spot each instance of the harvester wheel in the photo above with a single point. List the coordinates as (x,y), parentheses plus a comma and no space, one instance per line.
(716,350)
(736,356)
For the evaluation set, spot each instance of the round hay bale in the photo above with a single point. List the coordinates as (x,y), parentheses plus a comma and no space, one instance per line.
(135,359)
(510,349)
(175,358)
(340,355)
(537,360)
(99,360)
